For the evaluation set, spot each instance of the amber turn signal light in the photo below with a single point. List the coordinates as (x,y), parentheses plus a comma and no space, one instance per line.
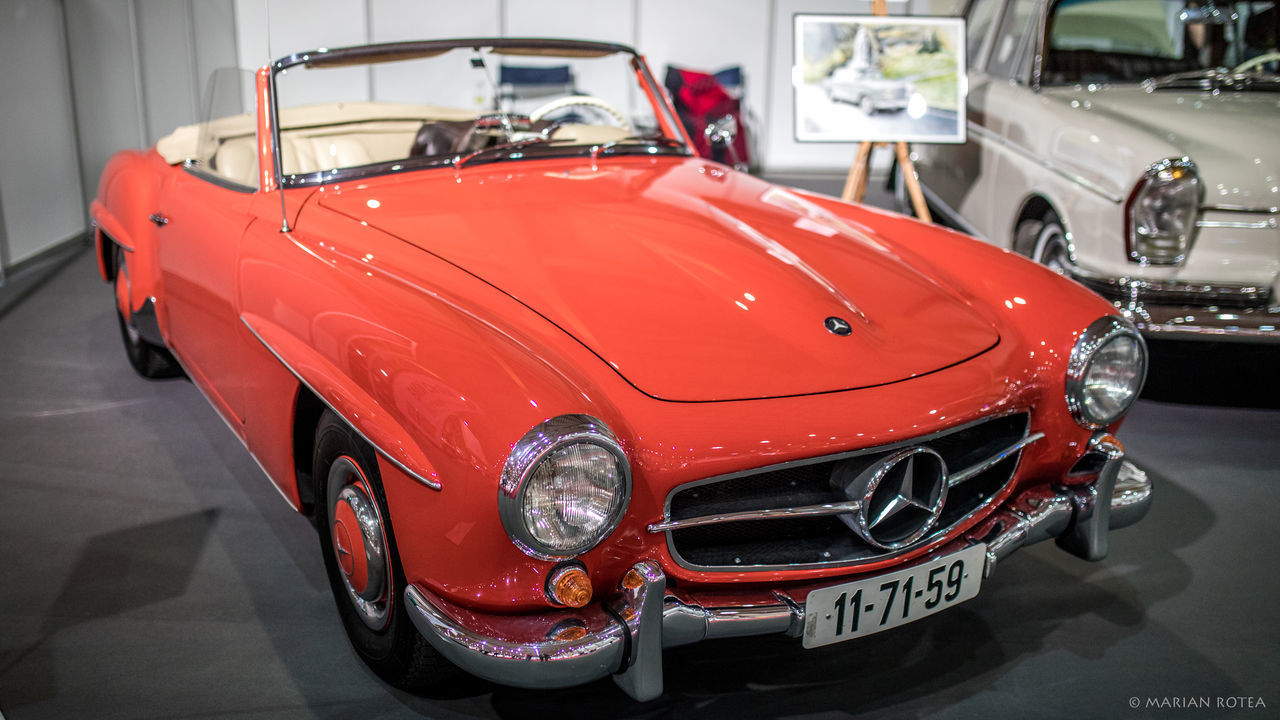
(569,585)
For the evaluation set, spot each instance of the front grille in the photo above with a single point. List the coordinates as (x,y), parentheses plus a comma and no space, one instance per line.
(752,543)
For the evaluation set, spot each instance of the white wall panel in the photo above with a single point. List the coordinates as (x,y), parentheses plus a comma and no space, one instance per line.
(213,23)
(395,20)
(170,92)
(107,88)
(40,188)
(702,36)
(602,20)
(289,26)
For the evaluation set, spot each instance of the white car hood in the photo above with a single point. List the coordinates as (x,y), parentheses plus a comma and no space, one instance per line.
(1233,137)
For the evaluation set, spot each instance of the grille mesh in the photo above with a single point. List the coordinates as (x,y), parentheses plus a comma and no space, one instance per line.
(826,539)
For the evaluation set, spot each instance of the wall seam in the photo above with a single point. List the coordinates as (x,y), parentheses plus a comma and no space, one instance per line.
(144,132)
(770,66)
(75,112)
(193,62)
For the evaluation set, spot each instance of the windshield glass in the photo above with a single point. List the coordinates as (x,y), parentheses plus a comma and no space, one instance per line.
(1099,41)
(363,111)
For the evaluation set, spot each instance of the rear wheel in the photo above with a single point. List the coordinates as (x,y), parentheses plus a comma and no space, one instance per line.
(362,563)
(1044,241)
(147,359)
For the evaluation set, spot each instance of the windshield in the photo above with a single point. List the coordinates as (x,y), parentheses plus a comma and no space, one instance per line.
(1099,41)
(378,109)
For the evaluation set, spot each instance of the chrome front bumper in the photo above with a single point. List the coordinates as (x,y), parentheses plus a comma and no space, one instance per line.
(624,636)
(1191,311)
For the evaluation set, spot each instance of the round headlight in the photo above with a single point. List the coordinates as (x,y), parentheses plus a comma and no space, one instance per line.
(1105,374)
(564,487)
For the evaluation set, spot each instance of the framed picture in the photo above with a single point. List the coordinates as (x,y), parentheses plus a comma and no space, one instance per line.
(857,78)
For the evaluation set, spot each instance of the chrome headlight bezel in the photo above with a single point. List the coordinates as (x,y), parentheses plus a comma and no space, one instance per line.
(1092,341)
(527,455)
(1173,176)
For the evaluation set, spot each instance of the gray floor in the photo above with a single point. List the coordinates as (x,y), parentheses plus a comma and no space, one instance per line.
(148,570)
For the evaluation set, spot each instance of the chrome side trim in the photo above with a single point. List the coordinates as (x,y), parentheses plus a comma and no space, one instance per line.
(1269,223)
(433,484)
(1075,178)
(1223,207)
(956,478)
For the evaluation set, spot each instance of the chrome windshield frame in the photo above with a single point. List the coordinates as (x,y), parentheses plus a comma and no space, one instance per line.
(376,53)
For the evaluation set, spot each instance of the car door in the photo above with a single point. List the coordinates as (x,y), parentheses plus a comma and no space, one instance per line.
(952,172)
(201,222)
(1014,121)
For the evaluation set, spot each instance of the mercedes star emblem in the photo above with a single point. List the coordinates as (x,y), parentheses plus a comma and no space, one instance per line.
(838,326)
(900,496)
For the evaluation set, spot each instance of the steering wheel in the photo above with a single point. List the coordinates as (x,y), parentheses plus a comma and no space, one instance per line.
(1260,60)
(582,101)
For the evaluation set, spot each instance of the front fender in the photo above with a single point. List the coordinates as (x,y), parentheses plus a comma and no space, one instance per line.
(346,398)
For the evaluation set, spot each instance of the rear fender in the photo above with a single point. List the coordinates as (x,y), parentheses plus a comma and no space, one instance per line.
(126,199)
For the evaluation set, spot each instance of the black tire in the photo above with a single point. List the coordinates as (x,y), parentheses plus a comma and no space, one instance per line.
(1045,241)
(147,359)
(379,627)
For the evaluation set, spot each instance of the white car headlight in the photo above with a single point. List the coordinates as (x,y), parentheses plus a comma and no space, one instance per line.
(1105,373)
(564,488)
(1160,217)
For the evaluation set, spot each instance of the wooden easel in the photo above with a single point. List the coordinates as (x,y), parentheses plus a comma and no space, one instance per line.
(855,186)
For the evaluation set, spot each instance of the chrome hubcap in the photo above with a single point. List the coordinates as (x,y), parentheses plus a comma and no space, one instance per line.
(359,543)
(1052,250)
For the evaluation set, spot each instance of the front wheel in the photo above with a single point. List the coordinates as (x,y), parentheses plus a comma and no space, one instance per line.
(362,563)
(1045,242)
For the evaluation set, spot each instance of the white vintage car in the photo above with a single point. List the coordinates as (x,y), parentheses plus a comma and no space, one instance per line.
(1133,145)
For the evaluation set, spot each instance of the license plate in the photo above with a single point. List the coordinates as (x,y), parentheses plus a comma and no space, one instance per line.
(864,607)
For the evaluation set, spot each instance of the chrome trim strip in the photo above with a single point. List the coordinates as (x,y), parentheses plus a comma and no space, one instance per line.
(433,484)
(1238,224)
(1241,209)
(243,441)
(956,478)
(1083,182)
(804,511)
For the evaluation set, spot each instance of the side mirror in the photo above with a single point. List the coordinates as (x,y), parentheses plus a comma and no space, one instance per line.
(722,131)
(720,134)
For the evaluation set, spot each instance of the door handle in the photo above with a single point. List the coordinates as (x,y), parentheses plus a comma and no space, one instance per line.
(158,219)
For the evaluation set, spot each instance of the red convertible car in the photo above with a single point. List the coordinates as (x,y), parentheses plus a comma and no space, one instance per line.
(558,393)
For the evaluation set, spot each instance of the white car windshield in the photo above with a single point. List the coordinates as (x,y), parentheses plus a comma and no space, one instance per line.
(1100,41)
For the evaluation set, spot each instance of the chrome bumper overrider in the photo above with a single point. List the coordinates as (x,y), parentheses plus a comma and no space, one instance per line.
(623,636)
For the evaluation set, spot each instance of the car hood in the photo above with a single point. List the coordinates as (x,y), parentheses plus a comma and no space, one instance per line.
(692,282)
(1232,136)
